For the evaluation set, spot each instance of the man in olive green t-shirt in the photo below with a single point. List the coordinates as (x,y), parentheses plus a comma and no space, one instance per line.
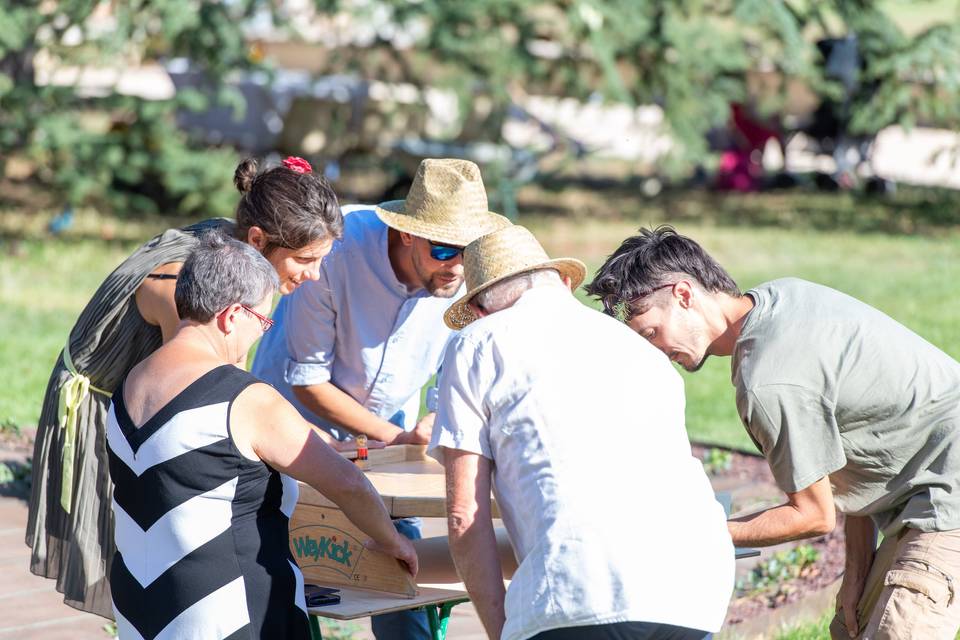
(850,408)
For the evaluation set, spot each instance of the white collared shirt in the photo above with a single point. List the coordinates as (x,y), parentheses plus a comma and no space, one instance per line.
(357,327)
(610,515)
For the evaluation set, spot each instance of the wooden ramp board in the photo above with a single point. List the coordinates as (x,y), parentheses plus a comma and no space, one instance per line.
(359,603)
(329,550)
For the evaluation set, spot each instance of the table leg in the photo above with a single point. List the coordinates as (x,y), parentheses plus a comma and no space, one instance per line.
(315,633)
(439,615)
(436,631)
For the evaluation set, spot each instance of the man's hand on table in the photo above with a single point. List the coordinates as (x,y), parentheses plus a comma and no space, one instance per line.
(336,406)
(420,434)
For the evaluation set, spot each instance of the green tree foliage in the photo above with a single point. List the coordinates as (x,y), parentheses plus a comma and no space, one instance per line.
(692,57)
(689,56)
(917,78)
(108,148)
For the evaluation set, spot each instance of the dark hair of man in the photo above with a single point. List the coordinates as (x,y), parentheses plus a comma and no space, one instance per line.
(650,260)
(293,209)
(219,272)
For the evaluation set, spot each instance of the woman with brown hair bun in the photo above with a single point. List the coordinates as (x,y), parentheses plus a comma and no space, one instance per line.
(291,216)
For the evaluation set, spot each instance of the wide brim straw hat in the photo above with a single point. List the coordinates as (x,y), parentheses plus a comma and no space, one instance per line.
(447,203)
(500,255)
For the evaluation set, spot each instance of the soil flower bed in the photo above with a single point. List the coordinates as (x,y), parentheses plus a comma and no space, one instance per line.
(801,568)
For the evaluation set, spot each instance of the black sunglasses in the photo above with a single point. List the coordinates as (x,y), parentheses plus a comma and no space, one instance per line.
(444,252)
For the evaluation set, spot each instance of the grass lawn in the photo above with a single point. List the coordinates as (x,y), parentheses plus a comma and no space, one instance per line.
(815,630)
(44,283)
(812,630)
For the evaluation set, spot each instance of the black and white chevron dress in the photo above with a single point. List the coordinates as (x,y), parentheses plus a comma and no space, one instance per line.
(201,531)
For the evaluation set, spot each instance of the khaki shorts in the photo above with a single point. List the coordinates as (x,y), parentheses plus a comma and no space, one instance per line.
(910,591)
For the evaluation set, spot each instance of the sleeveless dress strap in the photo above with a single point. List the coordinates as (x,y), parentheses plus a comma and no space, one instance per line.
(231,380)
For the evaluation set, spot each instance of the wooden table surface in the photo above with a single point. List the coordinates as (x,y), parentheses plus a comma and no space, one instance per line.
(410,483)
(360,603)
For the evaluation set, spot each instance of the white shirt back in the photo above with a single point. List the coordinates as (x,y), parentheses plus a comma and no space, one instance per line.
(610,515)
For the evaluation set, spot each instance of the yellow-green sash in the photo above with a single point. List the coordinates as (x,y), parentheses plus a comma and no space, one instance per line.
(72,393)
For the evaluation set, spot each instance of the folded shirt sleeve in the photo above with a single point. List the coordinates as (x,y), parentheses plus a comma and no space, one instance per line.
(310,323)
(461,421)
(797,431)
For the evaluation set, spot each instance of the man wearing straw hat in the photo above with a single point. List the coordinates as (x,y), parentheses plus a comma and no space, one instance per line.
(353,349)
(584,426)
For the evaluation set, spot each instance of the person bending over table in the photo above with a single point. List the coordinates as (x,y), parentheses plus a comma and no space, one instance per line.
(851,409)
(203,459)
(291,216)
(579,428)
(353,350)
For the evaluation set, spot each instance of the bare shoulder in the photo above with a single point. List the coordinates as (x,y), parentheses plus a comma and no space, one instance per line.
(155,299)
(161,279)
(160,377)
(168,268)
(260,405)
(260,396)
(265,426)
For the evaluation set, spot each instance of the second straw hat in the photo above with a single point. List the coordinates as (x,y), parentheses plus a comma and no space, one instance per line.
(447,203)
(499,255)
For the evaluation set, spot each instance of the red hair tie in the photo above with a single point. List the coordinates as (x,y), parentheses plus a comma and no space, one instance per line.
(299,165)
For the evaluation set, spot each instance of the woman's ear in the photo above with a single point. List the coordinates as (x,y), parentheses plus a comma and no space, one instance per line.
(226,319)
(257,239)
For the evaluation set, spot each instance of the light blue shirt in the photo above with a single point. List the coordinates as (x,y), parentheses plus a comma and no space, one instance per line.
(358,327)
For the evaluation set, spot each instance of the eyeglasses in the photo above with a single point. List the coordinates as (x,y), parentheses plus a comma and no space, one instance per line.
(663,286)
(444,252)
(265,322)
(623,310)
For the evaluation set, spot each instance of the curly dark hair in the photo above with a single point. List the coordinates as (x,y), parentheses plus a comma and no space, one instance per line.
(651,260)
(293,209)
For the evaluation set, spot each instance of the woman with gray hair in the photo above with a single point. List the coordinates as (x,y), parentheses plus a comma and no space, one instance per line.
(287,213)
(203,458)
